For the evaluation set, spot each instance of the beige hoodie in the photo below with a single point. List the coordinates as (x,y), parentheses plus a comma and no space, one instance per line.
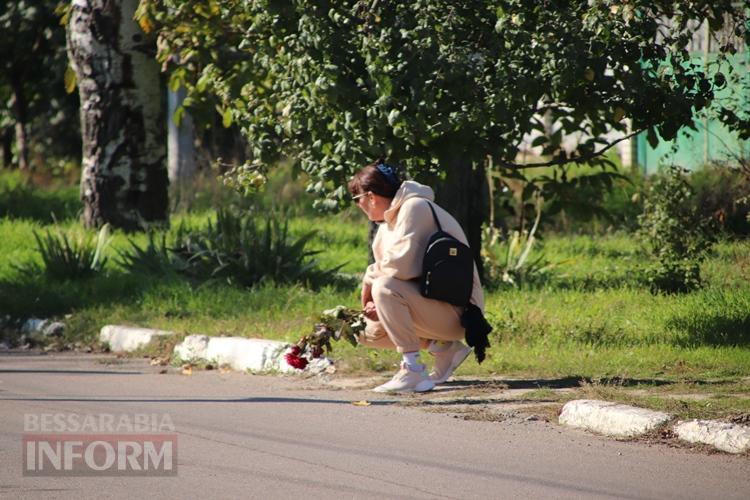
(401,240)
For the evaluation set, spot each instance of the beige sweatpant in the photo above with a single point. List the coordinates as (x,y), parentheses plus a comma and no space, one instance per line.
(408,321)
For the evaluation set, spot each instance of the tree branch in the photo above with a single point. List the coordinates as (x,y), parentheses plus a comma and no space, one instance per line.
(575,159)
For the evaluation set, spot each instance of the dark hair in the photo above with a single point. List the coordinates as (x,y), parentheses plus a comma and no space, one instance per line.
(378,177)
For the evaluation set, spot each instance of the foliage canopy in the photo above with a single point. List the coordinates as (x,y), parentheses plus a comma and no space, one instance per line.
(334,84)
(32,78)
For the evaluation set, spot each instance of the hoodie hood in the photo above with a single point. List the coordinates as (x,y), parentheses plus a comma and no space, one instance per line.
(407,191)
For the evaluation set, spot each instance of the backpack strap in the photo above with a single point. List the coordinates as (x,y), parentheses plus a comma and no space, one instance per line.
(434,216)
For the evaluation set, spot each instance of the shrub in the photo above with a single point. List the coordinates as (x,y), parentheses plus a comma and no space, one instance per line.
(621,204)
(589,201)
(721,193)
(675,233)
(68,257)
(509,261)
(155,259)
(236,249)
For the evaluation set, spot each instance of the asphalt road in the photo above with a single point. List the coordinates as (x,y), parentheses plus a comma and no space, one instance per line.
(241,436)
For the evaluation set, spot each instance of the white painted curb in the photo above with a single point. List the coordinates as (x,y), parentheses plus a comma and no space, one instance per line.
(239,353)
(33,325)
(243,354)
(731,438)
(128,338)
(609,418)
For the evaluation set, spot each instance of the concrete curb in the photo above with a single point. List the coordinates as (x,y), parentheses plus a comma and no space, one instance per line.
(33,325)
(611,419)
(128,338)
(243,354)
(732,438)
(239,353)
(236,352)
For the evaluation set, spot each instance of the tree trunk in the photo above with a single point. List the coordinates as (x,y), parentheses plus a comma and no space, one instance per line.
(7,147)
(22,146)
(19,112)
(124,178)
(463,193)
(180,151)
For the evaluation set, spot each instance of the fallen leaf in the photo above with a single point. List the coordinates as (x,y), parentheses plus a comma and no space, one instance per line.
(163,371)
(187,370)
(361,403)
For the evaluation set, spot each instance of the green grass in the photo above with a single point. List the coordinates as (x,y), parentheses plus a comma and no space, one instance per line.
(339,239)
(722,400)
(592,318)
(646,362)
(716,400)
(19,199)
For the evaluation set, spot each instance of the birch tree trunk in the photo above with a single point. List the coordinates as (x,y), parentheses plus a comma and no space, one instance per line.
(180,151)
(124,178)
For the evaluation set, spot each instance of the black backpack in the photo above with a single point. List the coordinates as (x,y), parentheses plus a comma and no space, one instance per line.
(447,268)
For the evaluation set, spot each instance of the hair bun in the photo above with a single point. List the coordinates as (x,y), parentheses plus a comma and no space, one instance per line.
(389,173)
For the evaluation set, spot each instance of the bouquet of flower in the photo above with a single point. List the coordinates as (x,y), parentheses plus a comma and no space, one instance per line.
(333,324)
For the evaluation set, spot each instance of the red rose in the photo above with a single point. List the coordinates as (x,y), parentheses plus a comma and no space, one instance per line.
(295,350)
(317,351)
(295,360)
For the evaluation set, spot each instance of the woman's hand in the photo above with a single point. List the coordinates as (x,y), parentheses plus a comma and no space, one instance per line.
(368,305)
(370,311)
(366,294)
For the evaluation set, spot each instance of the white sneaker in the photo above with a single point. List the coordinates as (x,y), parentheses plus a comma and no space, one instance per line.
(406,380)
(448,360)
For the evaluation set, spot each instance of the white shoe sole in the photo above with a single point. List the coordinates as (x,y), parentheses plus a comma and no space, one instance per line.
(423,386)
(458,358)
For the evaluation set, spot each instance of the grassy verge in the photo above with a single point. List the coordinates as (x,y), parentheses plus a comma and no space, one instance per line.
(592,318)
(727,399)
(19,199)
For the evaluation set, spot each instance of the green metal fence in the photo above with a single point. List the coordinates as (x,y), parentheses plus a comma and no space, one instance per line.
(710,142)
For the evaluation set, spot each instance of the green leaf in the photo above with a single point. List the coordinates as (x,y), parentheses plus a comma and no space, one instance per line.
(720,80)
(393,117)
(177,115)
(70,79)
(226,118)
(203,81)
(176,79)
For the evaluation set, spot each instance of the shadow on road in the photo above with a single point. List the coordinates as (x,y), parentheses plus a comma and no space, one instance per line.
(196,400)
(553,383)
(69,372)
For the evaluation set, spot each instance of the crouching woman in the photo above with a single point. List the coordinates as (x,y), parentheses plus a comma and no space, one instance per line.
(398,316)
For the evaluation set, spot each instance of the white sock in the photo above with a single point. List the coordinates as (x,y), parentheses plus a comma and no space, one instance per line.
(411,360)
